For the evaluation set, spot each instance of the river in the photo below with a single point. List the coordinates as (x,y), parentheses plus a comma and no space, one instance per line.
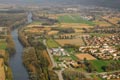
(16,63)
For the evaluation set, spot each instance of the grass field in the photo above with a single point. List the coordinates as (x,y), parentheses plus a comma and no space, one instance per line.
(74,19)
(99,63)
(70,50)
(52,32)
(3,45)
(52,44)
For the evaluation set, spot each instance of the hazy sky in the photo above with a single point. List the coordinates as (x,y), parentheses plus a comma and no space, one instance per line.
(108,3)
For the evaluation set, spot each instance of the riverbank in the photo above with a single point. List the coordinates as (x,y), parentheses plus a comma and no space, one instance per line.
(16,62)
(35,57)
(6,47)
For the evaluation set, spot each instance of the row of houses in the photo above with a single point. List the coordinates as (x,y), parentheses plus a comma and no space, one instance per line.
(109,76)
(87,17)
(104,52)
(110,40)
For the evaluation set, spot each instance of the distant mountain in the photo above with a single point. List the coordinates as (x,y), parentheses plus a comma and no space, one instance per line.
(106,3)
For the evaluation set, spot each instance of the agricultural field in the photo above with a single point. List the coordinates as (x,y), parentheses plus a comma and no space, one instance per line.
(77,42)
(74,19)
(102,23)
(75,25)
(2,52)
(85,56)
(53,32)
(2,71)
(79,30)
(113,20)
(36,29)
(52,43)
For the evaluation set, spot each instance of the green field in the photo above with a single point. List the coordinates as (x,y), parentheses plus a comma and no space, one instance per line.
(52,43)
(70,50)
(99,63)
(74,19)
(3,45)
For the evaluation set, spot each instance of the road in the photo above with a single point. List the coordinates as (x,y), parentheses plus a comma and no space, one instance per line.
(54,64)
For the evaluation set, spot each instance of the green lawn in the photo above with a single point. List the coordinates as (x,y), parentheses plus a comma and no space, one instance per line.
(99,63)
(52,43)
(74,19)
(70,50)
(3,45)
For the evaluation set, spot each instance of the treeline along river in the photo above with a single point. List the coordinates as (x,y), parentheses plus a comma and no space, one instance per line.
(16,63)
